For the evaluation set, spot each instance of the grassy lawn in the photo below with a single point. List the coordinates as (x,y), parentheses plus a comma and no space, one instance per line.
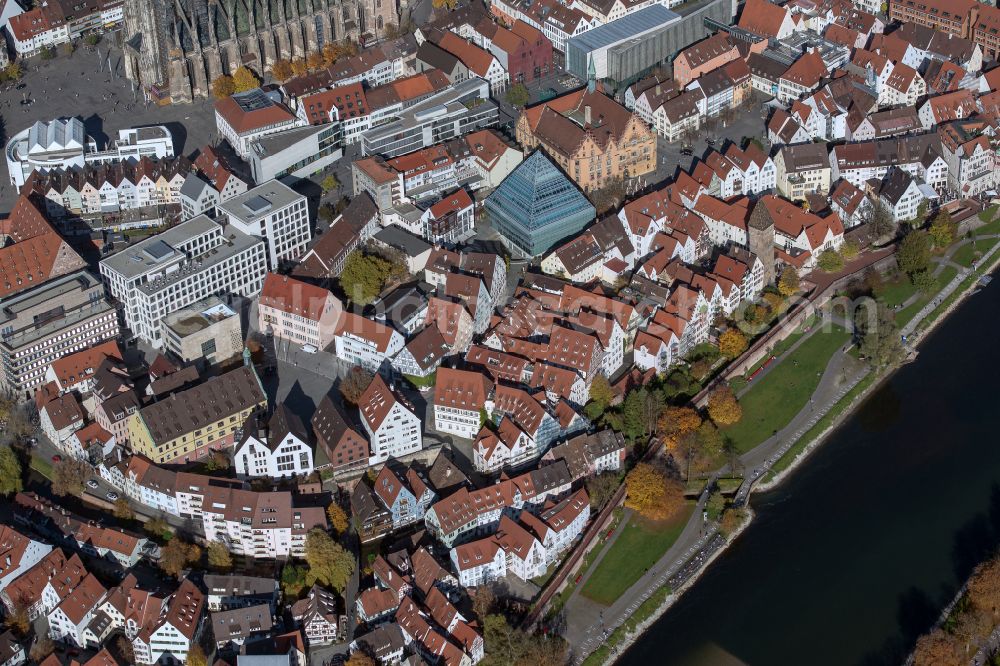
(990,227)
(899,290)
(965,254)
(776,398)
(42,466)
(820,426)
(780,348)
(640,546)
(558,601)
(896,291)
(729,486)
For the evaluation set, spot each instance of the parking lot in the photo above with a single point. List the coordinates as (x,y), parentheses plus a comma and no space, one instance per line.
(83,84)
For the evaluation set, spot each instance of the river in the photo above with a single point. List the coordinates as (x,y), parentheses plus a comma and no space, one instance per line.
(853,557)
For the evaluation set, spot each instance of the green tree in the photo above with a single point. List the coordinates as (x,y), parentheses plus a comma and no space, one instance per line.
(715,505)
(69,476)
(329,184)
(47,53)
(633,423)
(219,556)
(517,94)
(850,250)
(329,563)
(293,580)
(10,472)
(914,253)
(880,341)
(158,527)
(788,283)
(223,86)
(943,230)
(830,261)
(326,213)
(93,39)
(444,4)
(924,281)
(509,646)
(365,275)
(601,392)
(13,71)
(244,79)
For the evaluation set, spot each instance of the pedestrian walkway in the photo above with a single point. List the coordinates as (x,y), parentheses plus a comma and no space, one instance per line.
(589,623)
(951,287)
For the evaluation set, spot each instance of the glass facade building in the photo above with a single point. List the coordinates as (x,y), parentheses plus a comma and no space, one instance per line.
(537,206)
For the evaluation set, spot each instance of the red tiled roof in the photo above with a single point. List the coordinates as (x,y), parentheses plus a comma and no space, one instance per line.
(244,122)
(460,389)
(762,17)
(294,296)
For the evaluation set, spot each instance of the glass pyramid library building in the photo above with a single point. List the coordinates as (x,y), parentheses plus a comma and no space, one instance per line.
(537,206)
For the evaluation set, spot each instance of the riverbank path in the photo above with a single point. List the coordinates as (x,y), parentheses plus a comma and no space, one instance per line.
(588,622)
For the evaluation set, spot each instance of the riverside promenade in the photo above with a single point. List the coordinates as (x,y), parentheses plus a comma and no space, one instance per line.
(588,623)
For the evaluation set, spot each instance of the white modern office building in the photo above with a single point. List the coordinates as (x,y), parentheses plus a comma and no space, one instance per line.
(275,212)
(63,143)
(180,267)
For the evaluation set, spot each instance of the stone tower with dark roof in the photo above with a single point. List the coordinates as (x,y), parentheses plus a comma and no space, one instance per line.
(760,236)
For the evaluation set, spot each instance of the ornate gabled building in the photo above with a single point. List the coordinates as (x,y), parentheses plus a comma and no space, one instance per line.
(175,48)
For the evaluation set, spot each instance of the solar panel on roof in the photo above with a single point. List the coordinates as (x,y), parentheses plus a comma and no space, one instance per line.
(257,204)
(158,250)
(253,100)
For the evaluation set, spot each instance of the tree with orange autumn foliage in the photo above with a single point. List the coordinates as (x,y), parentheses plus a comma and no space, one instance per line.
(938,648)
(281,70)
(652,493)
(732,343)
(984,587)
(723,407)
(676,422)
(315,60)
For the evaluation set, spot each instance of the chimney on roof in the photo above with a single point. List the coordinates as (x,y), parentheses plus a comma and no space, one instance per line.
(586,114)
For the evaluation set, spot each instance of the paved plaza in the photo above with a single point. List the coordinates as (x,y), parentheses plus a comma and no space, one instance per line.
(83,85)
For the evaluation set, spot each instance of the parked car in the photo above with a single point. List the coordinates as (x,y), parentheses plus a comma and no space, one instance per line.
(309,349)
(91,483)
(57,458)
(112,496)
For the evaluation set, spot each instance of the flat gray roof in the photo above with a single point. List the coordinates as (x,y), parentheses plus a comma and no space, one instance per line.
(248,206)
(402,239)
(235,243)
(155,250)
(625,28)
(275,143)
